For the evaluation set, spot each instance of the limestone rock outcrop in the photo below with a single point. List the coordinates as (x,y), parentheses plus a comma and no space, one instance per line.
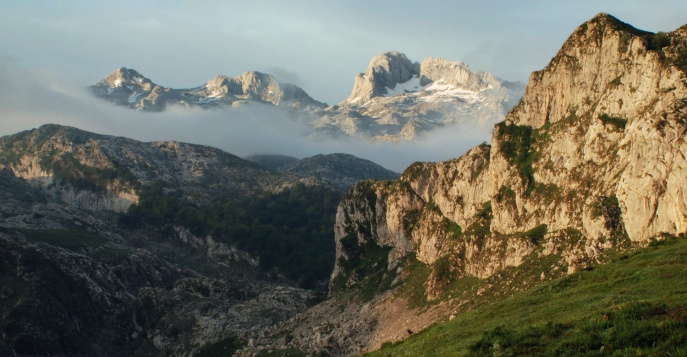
(595,149)
(398,100)
(591,162)
(384,72)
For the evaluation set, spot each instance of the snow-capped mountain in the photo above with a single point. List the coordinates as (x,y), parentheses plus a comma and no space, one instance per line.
(396,99)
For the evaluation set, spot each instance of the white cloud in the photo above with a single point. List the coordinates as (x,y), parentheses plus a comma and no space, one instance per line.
(30,99)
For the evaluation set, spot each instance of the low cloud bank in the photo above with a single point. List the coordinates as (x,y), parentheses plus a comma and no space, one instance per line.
(29,99)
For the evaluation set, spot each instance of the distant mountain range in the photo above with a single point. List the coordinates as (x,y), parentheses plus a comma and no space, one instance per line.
(129,88)
(394,100)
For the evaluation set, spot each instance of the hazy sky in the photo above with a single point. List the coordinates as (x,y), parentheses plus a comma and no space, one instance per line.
(51,50)
(319,45)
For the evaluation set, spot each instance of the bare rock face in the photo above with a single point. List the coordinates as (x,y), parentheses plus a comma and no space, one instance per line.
(385,71)
(591,161)
(624,91)
(594,147)
(398,100)
(129,88)
(394,100)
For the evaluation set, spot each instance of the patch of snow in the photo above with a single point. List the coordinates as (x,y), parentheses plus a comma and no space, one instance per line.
(138,79)
(209,99)
(216,94)
(440,90)
(355,100)
(411,85)
(118,82)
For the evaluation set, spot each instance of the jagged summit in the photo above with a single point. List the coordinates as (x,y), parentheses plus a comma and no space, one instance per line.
(392,73)
(611,20)
(630,66)
(397,99)
(384,73)
(129,88)
(125,76)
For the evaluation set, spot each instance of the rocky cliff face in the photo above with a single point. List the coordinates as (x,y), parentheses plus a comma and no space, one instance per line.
(590,162)
(129,88)
(594,147)
(384,73)
(397,100)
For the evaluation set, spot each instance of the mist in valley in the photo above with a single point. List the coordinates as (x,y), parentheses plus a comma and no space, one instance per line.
(30,98)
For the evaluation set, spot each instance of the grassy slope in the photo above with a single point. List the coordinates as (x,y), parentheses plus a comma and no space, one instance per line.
(636,305)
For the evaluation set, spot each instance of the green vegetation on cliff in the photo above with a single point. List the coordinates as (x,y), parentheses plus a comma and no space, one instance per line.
(634,306)
(516,145)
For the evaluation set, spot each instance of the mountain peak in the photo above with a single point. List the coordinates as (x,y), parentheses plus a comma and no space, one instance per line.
(457,74)
(123,76)
(259,86)
(384,72)
(600,26)
(604,58)
(387,70)
(606,17)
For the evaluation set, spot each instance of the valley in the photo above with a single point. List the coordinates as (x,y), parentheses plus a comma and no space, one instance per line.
(564,234)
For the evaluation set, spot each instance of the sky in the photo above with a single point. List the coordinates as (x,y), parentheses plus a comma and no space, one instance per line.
(55,47)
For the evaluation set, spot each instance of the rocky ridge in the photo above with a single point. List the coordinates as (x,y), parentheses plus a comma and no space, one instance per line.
(340,170)
(129,88)
(394,100)
(62,160)
(590,162)
(272,161)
